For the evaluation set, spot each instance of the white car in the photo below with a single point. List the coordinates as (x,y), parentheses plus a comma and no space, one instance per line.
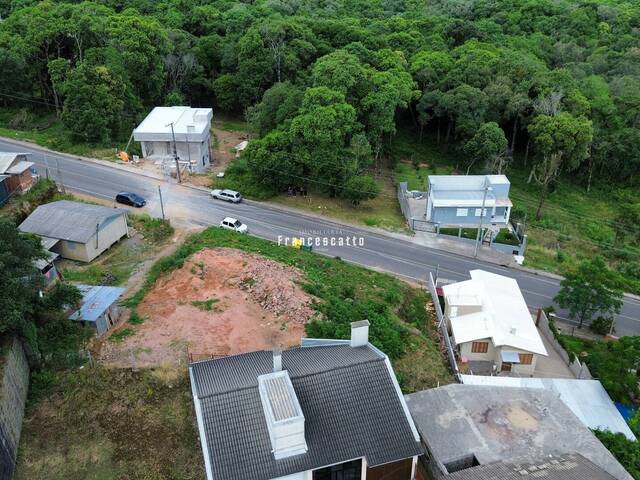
(234,224)
(228,195)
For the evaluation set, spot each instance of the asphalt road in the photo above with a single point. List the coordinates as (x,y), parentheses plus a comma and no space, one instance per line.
(373,250)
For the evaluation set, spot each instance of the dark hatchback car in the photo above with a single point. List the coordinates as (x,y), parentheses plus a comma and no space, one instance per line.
(132,199)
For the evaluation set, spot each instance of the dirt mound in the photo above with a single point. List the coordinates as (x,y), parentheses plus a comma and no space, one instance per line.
(221,302)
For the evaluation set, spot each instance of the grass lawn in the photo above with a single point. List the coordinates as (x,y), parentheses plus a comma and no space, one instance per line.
(46,130)
(382,212)
(109,424)
(401,326)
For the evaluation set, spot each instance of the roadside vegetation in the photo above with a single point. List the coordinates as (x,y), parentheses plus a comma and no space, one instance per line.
(400,324)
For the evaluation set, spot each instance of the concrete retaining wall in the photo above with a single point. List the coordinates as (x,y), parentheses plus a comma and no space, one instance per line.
(14,383)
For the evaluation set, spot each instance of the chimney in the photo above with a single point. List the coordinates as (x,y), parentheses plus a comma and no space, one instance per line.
(282,412)
(360,333)
(277,360)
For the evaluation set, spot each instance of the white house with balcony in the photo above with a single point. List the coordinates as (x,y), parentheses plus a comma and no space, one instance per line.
(491,324)
(188,127)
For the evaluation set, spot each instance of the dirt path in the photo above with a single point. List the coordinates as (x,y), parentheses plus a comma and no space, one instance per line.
(221,302)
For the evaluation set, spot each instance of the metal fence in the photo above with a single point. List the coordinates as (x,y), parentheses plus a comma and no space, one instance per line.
(404,203)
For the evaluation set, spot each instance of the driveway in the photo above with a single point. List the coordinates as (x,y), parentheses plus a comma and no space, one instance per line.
(552,366)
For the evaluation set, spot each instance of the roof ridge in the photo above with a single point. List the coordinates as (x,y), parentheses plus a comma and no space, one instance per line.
(307,375)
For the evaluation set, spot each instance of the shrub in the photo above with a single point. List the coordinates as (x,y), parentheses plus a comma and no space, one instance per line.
(602,325)
(626,451)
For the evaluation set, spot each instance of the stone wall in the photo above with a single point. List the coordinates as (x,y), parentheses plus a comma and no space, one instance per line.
(14,383)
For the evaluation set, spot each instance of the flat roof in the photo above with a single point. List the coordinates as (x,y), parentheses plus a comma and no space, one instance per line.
(513,425)
(189,124)
(587,399)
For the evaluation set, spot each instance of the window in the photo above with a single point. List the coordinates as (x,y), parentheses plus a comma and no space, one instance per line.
(462,212)
(526,358)
(479,347)
(343,471)
(479,211)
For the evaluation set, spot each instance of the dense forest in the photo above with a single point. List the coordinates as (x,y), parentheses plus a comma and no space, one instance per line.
(326,83)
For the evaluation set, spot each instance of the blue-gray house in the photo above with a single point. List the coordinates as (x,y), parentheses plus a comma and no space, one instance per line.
(457,200)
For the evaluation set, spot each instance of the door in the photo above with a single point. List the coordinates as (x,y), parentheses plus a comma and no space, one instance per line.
(343,471)
(506,367)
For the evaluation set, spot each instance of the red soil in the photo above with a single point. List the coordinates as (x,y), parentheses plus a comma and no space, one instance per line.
(254,304)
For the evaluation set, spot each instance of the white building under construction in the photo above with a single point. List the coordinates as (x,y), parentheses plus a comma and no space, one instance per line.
(188,127)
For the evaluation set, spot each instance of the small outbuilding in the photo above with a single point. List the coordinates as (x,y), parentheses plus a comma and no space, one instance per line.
(19,171)
(188,127)
(75,230)
(99,307)
(4,189)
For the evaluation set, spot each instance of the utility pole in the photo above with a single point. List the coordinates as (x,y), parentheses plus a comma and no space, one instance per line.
(175,153)
(479,236)
(46,165)
(161,203)
(60,176)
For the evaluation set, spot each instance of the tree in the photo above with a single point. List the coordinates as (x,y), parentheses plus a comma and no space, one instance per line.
(22,308)
(224,88)
(626,451)
(489,144)
(562,142)
(591,288)
(98,98)
(279,104)
(360,188)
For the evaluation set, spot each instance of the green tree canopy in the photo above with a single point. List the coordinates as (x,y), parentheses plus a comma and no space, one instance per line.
(589,289)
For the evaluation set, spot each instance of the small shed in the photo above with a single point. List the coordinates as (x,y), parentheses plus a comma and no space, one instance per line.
(99,307)
(18,169)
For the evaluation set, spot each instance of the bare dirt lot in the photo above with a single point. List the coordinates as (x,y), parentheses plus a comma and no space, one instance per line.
(221,302)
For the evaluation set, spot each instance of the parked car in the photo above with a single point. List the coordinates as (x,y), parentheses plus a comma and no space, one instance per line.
(234,224)
(228,195)
(131,199)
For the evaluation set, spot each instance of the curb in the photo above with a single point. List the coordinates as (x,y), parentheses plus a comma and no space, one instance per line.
(104,163)
(282,208)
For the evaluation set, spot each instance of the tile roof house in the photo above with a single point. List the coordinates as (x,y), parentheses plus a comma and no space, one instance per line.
(490,322)
(468,428)
(456,200)
(19,171)
(191,129)
(76,230)
(587,399)
(329,409)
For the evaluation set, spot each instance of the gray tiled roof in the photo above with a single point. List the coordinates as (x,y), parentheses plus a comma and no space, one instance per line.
(66,220)
(347,396)
(566,467)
